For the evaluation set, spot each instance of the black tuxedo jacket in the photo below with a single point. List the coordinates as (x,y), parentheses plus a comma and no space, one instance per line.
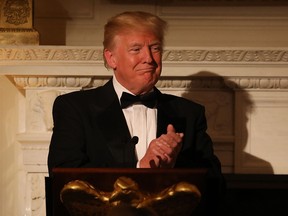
(90,131)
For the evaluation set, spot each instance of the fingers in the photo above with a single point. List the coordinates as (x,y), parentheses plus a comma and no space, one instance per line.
(163,151)
(167,147)
(170,129)
(155,155)
(170,141)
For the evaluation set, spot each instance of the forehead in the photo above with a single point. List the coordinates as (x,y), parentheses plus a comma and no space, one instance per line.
(135,37)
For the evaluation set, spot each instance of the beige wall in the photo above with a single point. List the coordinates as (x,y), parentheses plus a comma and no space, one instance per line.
(230,24)
(11,168)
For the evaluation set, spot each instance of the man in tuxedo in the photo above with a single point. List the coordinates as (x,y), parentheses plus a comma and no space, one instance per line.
(128,122)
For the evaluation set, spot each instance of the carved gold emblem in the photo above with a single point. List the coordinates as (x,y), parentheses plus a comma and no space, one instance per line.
(81,198)
(17,11)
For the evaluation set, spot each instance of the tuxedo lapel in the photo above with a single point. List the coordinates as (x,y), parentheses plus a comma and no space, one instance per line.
(168,114)
(112,125)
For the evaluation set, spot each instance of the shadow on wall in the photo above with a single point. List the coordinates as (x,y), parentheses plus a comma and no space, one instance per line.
(221,114)
(50,19)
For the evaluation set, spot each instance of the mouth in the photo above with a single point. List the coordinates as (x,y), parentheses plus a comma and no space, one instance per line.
(147,70)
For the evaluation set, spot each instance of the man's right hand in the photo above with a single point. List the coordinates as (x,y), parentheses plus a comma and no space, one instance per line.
(163,151)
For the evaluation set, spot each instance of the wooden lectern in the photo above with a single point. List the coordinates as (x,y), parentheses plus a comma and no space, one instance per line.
(76,191)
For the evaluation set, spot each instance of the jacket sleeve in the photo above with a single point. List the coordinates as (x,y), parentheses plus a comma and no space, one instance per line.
(67,141)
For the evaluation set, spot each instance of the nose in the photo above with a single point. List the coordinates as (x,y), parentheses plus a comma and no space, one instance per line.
(148,56)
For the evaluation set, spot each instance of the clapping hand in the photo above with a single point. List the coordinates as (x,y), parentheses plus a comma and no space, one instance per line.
(163,151)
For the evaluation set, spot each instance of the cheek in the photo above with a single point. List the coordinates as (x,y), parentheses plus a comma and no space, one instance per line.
(158,60)
(127,62)
(152,77)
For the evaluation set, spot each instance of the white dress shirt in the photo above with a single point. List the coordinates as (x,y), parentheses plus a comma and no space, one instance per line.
(141,121)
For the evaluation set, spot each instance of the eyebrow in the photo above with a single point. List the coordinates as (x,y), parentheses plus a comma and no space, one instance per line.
(151,44)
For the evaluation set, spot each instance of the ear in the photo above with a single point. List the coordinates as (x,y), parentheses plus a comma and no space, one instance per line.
(110,59)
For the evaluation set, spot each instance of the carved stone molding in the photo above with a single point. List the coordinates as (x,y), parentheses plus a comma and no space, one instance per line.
(36,194)
(51,54)
(255,83)
(50,81)
(17,12)
(260,83)
(16,23)
(235,56)
(9,55)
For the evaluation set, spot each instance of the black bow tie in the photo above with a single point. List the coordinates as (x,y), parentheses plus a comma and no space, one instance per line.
(149,100)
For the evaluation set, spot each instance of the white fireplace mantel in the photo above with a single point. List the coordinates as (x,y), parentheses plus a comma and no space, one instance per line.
(244,90)
(44,72)
(47,71)
(177,61)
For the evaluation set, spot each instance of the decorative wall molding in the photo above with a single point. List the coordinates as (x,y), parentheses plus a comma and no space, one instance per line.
(47,53)
(17,15)
(9,55)
(227,56)
(36,194)
(53,81)
(258,83)
(16,23)
(255,83)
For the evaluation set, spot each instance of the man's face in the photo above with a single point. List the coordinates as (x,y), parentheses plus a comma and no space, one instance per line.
(137,60)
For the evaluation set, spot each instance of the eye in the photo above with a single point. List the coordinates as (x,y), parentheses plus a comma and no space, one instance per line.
(135,49)
(156,48)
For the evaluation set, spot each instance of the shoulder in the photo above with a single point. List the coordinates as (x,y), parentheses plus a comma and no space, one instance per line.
(86,97)
(180,103)
(78,95)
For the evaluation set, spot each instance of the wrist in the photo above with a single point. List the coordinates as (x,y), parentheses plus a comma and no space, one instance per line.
(143,164)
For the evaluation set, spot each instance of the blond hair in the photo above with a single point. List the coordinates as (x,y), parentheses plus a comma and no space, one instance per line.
(135,21)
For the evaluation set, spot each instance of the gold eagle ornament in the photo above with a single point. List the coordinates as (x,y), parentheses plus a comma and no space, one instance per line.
(82,199)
